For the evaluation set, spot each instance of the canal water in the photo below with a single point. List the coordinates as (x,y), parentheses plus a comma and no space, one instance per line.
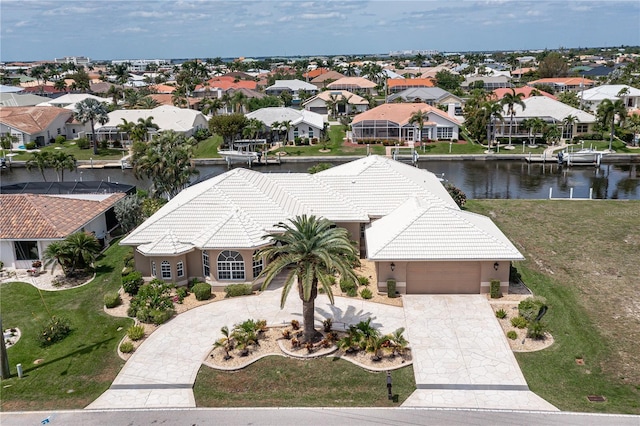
(478,179)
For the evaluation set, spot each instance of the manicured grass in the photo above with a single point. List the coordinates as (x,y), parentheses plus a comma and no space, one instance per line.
(583,258)
(617,146)
(71,148)
(281,382)
(335,147)
(208,148)
(76,370)
(456,148)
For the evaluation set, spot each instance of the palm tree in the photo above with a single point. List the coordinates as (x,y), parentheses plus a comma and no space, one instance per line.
(568,123)
(141,129)
(116,93)
(40,160)
(314,250)
(127,127)
(607,111)
(418,118)
(91,110)
(511,100)
(82,248)
(148,103)
(493,110)
(211,106)
(253,128)
(56,254)
(238,100)
(60,161)
(225,342)
(331,104)
(634,125)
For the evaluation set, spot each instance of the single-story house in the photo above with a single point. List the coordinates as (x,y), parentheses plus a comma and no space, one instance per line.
(433,96)
(70,100)
(396,85)
(181,120)
(16,99)
(359,85)
(629,95)
(347,102)
(564,84)
(292,86)
(551,112)
(391,121)
(304,124)
(323,79)
(30,222)
(399,216)
(489,82)
(37,124)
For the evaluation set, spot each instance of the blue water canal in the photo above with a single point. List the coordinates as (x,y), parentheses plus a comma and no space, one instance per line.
(478,179)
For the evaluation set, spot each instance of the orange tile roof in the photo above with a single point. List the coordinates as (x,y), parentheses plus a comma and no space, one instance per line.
(167,99)
(163,88)
(315,73)
(31,119)
(526,91)
(32,216)
(226,83)
(410,82)
(330,75)
(399,113)
(569,81)
(358,82)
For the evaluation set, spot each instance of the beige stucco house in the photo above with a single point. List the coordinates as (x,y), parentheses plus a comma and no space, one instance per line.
(400,217)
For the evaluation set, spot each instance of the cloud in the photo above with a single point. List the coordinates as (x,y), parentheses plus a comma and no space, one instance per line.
(146,14)
(131,30)
(330,15)
(240,25)
(21,24)
(285,19)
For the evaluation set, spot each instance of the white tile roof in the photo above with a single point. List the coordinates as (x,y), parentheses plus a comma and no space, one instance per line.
(543,106)
(272,114)
(420,230)
(167,117)
(608,91)
(167,245)
(294,85)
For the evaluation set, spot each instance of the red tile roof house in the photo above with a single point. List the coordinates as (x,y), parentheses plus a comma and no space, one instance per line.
(34,124)
(391,122)
(396,85)
(526,92)
(359,85)
(30,222)
(564,84)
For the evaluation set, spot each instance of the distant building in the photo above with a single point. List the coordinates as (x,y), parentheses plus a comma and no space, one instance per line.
(75,60)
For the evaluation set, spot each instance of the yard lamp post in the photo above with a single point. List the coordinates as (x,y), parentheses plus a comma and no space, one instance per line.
(389,385)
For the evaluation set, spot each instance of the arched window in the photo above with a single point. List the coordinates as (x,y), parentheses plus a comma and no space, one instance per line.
(257,265)
(165,270)
(230,266)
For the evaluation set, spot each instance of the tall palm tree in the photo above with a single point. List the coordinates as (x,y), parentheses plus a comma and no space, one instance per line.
(332,103)
(116,93)
(127,127)
(634,125)
(238,100)
(40,160)
(91,110)
(607,111)
(253,128)
(493,111)
(418,118)
(211,106)
(148,103)
(511,100)
(60,161)
(568,122)
(314,250)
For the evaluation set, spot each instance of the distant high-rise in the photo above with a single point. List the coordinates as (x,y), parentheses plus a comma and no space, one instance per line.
(76,60)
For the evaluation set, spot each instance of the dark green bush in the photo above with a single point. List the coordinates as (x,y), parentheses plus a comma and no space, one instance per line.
(132,282)
(347,285)
(182,292)
(519,322)
(536,330)
(160,316)
(352,292)
(152,303)
(132,311)
(83,143)
(202,291)
(30,145)
(128,259)
(530,307)
(135,332)
(364,281)
(60,139)
(366,293)
(127,270)
(391,288)
(511,334)
(111,300)
(494,289)
(126,347)
(234,290)
(54,330)
(501,313)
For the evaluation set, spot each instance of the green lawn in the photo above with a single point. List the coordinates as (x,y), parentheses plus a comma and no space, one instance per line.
(583,258)
(71,148)
(456,148)
(335,147)
(76,370)
(208,148)
(617,146)
(281,382)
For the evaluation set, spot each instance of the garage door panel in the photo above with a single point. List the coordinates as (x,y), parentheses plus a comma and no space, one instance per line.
(443,278)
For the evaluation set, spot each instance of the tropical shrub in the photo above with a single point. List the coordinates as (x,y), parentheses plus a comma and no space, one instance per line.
(346,285)
(366,293)
(135,332)
(30,145)
(352,292)
(182,292)
(501,313)
(519,322)
(152,303)
(56,329)
(536,330)
(126,347)
(327,324)
(530,307)
(132,282)
(391,288)
(234,290)
(511,334)
(82,143)
(202,291)
(457,194)
(60,139)
(364,281)
(494,289)
(111,300)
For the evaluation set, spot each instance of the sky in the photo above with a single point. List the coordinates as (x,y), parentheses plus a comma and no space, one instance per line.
(165,29)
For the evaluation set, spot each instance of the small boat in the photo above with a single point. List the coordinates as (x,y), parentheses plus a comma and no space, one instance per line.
(239,156)
(586,156)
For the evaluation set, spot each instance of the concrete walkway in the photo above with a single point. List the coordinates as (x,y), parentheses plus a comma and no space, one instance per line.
(162,371)
(461,358)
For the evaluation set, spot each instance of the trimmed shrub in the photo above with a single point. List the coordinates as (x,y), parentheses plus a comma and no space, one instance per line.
(30,145)
(494,289)
(234,290)
(511,334)
(132,282)
(54,330)
(364,281)
(160,316)
(83,143)
(352,292)
(183,292)
(60,139)
(202,291)
(153,302)
(501,313)
(366,293)
(135,332)
(111,300)
(132,311)
(128,259)
(391,288)
(126,347)
(347,285)
(536,330)
(519,322)
(530,307)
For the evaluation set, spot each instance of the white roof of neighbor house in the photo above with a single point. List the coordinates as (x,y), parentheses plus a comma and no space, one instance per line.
(10,89)
(423,93)
(167,117)
(167,245)
(608,91)
(293,85)
(419,230)
(271,114)
(17,99)
(70,100)
(543,106)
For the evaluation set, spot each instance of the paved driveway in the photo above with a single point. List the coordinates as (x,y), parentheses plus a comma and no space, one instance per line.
(461,357)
